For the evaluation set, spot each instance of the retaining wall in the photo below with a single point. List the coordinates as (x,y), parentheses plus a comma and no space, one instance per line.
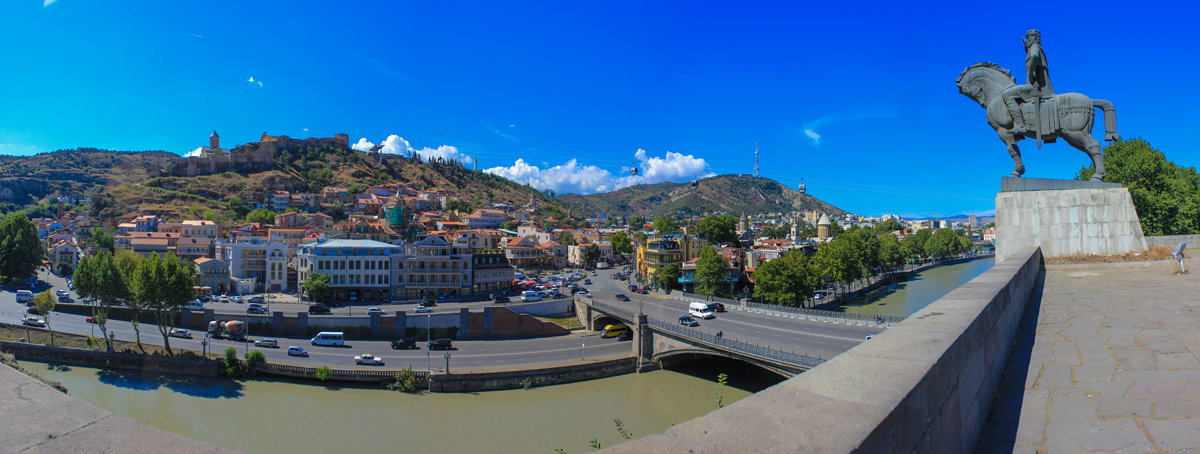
(1171,241)
(924,385)
(115,360)
(459,383)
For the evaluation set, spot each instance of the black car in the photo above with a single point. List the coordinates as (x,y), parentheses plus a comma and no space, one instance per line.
(502,300)
(407,343)
(440,344)
(318,309)
(622,297)
(716,307)
(687,320)
(33,310)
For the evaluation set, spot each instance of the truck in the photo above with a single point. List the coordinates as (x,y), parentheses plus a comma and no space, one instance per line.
(233,329)
(601,265)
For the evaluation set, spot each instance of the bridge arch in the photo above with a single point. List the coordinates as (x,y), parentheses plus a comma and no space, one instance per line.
(600,320)
(682,355)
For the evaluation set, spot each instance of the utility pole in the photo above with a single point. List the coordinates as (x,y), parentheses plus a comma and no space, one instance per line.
(756,156)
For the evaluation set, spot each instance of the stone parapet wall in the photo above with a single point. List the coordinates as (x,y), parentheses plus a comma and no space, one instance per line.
(1171,241)
(115,360)
(1067,222)
(924,385)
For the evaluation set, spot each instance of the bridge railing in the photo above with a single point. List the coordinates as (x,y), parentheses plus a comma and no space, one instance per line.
(614,310)
(797,312)
(792,358)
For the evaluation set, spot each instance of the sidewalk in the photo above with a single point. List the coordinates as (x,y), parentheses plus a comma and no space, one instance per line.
(1106,361)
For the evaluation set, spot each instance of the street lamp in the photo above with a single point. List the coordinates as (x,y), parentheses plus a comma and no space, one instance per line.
(447,363)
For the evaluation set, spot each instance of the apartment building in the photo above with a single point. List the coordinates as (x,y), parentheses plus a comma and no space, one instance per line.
(255,264)
(433,268)
(359,270)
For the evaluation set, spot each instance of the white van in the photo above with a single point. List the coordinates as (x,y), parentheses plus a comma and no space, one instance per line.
(195,305)
(24,296)
(329,338)
(700,310)
(529,296)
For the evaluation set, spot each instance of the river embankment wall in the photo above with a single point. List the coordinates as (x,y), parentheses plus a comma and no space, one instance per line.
(924,385)
(494,381)
(102,359)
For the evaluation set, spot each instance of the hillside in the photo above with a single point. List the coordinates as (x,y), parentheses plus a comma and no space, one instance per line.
(305,170)
(30,179)
(734,194)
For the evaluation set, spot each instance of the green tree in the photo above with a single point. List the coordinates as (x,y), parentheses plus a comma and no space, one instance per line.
(20,249)
(566,238)
(317,286)
(143,281)
(591,254)
(261,216)
(775,233)
(100,283)
(891,255)
(637,222)
(509,225)
(787,280)
(665,225)
(943,243)
(712,273)
(913,245)
(175,277)
(103,239)
(1165,195)
(668,276)
(889,225)
(835,262)
(405,381)
(641,237)
(719,229)
(44,303)
(620,243)
(459,206)
(127,261)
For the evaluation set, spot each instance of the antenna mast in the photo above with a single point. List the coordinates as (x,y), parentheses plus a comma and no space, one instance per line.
(756,156)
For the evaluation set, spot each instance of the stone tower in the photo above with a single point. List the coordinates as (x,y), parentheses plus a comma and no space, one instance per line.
(795,233)
(214,141)
(743,223)
(823,226)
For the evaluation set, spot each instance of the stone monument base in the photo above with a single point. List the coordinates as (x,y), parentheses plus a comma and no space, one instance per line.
(1066,222)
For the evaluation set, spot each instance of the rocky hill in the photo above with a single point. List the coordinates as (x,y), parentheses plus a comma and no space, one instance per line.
(26,180)
(733,194)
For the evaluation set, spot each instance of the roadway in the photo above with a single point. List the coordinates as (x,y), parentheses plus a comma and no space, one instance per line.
(817,339)
(467,355)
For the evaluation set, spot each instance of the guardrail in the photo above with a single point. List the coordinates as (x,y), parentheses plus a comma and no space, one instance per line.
(792,358)
(798,312)
(614,310)
(336,374)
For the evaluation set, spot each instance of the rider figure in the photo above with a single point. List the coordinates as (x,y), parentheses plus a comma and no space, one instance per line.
(1037,82)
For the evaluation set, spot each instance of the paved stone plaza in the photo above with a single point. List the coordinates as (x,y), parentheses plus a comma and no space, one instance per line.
(1106,361)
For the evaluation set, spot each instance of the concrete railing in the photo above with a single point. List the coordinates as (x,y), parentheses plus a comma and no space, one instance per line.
(288,370)
(924,385)
(745,348)
(796,312)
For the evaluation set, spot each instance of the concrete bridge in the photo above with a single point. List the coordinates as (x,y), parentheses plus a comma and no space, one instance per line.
(659,343)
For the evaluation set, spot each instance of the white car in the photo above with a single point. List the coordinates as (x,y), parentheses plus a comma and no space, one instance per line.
(272,343)
(180,332)
(423,310)
(33,321)
(375,310)
(295,350)
(368,359)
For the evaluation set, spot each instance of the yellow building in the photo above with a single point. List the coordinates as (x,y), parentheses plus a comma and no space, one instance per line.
(670,250)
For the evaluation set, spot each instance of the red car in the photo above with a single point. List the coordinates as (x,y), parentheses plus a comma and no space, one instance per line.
(90,319)
(643,291)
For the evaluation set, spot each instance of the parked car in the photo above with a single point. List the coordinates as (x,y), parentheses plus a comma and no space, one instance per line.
(271,343)
(60,292)
(33,321)
(33,310)
(687,320)
(407,343)
(295,350)
(65,299)
(423,309)
(375,310)
(622,297)
(235,299)
(716,307)
(256,299)
(223,299)
(180,332)
(440,344)
(368,359)
(587,282)
(318,309)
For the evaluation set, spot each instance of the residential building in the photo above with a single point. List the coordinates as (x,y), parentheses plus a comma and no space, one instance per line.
(665,251)
(333,194)
(367,229)
(484,219)
(289,236)
(213,274)
(255,264)
(555,253)
(278,201)
(359,270)
(199,229)
(491,273)
(63,257)
(521,251)
(294,219)
(146,223)
(194,248)
(575,253)
(434,268)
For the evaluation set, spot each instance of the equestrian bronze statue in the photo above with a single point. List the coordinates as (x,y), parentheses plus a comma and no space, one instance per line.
(1033,110)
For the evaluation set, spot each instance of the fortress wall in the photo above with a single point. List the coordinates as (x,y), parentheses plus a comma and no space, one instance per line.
(924,385)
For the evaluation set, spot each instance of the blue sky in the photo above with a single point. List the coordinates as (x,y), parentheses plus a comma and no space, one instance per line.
(855,98)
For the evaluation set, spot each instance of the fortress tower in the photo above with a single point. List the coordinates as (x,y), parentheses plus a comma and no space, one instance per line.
(214,141)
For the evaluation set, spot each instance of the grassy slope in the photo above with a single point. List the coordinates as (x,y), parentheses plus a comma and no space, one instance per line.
(734,194)
(81,170)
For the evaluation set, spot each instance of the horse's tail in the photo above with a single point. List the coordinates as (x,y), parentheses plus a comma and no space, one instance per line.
(1110,119)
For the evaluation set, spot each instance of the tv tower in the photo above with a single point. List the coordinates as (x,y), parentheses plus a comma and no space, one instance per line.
(756,156)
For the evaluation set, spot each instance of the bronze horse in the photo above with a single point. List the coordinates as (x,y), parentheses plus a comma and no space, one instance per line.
(1071,116)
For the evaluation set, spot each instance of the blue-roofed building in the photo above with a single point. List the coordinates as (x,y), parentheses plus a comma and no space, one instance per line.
(359,270)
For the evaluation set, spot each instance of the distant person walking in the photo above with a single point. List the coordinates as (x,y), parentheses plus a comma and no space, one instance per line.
(1179,255)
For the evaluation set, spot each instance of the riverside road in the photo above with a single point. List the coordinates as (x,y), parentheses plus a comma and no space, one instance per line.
(801,336)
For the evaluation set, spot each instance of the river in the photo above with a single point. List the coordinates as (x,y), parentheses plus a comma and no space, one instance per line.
(908,297)
(285,417)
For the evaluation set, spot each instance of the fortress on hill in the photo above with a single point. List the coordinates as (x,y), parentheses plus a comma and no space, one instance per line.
(250,157)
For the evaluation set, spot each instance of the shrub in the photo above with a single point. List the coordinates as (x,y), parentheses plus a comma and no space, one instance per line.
(323,373)
(405,381)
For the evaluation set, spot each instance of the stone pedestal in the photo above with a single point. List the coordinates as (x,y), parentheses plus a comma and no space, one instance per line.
(1065,222)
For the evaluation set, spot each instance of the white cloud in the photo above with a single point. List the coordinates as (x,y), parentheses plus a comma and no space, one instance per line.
(252,81)
(48,3)
(305,129)
(816,138)
(395,144)
(445,152)
(577,178)
(810,129)
(363,145)
(195,152)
